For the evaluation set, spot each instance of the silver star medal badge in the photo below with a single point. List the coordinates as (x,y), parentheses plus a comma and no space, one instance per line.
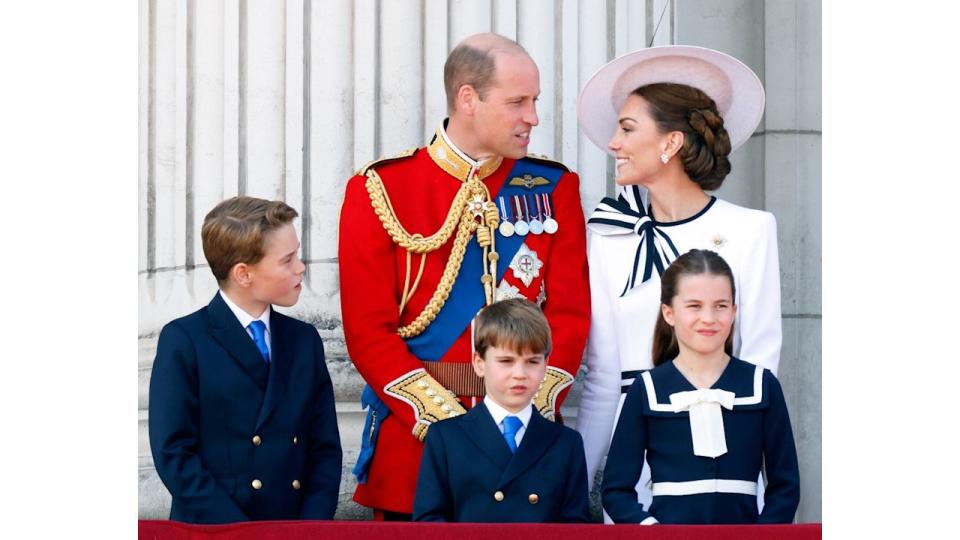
(506,291)
(526,265)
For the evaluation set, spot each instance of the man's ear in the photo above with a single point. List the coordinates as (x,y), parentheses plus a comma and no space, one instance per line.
(478,366)
(240,275)
(467,99)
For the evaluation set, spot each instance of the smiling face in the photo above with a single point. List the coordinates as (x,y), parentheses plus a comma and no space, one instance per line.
(701,313)
(506,115)
(276,278)
(511,378)
(637,143)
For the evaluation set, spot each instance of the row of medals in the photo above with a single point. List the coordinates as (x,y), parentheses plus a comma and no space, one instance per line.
(521,227)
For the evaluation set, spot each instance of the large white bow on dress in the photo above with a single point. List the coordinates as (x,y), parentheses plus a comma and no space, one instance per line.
(706,418)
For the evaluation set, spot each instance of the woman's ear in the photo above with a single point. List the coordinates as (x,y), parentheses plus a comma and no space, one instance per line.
(674,143)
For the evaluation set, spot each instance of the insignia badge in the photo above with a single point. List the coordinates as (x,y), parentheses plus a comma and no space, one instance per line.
(476,206)
(526,265)
(529,181)
(506,291)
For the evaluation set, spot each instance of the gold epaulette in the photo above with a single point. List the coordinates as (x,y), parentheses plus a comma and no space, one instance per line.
(554,382)
(539,158)
(401,155)
(431,402)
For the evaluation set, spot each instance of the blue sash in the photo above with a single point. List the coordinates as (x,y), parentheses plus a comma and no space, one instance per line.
(466,299)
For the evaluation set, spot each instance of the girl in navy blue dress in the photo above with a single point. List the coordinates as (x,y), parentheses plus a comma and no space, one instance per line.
(706,422)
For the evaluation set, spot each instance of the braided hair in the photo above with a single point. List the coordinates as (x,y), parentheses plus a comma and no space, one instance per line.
(706,144)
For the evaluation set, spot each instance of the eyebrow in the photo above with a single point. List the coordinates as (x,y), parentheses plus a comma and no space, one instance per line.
(625,118)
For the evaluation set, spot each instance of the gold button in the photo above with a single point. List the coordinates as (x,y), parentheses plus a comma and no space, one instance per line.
(257,440)
(431,392)
(296,484)
(446,408)
(422,383)
(438,400)
(257,484)
(533,498)
(498,496)
(294,440)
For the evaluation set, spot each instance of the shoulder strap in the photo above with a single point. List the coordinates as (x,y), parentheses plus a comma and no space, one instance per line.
(396,157)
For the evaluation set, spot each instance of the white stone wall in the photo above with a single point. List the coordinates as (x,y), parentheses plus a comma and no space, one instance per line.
(285,99)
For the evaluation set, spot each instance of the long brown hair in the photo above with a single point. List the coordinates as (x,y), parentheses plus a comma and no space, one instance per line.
(692,263)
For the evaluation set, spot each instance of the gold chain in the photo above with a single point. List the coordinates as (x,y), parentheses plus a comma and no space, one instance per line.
(413,242)
(418,244)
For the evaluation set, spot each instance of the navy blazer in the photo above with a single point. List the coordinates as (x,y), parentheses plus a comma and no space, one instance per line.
(234,438)
(468,474)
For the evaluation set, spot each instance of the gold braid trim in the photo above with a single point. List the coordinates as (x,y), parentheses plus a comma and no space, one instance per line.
(415,243)
(554,382)
(431,402)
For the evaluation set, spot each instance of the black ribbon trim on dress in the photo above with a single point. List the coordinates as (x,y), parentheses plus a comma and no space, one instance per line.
(614,215)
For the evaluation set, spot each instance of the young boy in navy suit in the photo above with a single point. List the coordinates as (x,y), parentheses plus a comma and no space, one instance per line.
(242,419)
(502,461)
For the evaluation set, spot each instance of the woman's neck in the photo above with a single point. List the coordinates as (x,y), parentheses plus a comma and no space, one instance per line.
(702,370)
(676,198)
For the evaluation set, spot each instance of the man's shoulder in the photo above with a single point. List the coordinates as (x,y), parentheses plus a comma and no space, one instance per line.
(294,325)
(377,164)
(545,161)
(186,326)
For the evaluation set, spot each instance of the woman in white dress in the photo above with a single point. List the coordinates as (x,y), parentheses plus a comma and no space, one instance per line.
(670,116)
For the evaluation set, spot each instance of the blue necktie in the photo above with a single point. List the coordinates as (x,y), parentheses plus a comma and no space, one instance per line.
(259,338)
(511,425)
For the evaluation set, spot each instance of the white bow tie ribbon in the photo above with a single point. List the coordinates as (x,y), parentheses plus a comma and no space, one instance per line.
(706,418)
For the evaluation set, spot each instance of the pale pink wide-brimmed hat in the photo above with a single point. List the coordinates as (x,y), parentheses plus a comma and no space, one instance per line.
(734,87)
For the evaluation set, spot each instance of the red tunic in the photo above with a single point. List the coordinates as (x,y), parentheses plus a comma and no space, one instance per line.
(372,275)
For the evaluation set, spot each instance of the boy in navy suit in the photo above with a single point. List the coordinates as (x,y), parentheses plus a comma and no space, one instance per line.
(502,461)
(242,419)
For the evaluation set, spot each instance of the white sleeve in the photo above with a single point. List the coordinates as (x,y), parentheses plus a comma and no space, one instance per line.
(601,384)
(758,313)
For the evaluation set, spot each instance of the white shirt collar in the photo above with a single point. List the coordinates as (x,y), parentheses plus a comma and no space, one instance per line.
(499,413)
(244,317)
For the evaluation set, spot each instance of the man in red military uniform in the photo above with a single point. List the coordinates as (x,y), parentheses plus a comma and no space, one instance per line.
(428,237)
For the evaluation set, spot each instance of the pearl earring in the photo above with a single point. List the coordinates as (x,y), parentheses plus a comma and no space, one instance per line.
(664,158)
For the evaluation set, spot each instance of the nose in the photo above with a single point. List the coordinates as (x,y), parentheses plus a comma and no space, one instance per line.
(614,143)
(301,268)
(530,116)
(518,372)
(708,316)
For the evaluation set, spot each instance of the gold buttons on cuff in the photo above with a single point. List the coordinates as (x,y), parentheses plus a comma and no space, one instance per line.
(431,392)
(295,440)
(498,496)
(257,484)
(533,498)
(296,484)
(256,440)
